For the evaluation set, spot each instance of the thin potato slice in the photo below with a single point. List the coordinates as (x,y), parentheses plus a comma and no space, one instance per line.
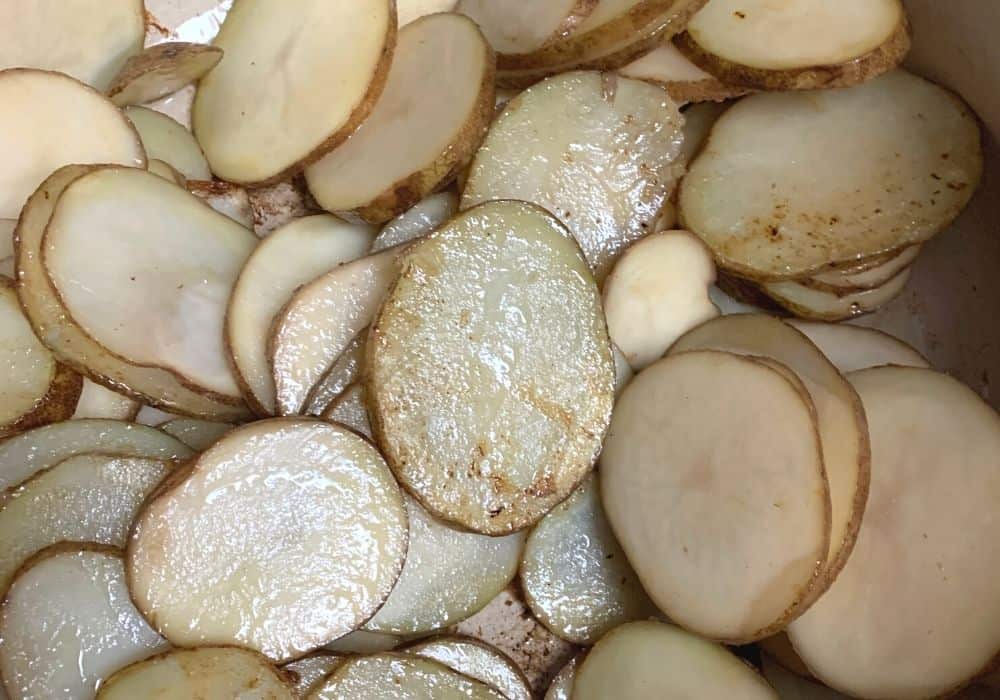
(489,368)
(683,80)
(727,305)
(167,140)
(596,150)
(162,70)
(479,661)
(417,221)
(729,558)
(229,200)
(652,661)
(309,671)
(409,10)
(919,619)
(574,573)
(98,402)
(364,642)
(351,409)
(756,197)
(818,305)
(623,371)
(514,27)
(167,172)
(213,562)
(294,83)
(840,283)
(851,348)
(344,372)
(199,435)
(561,687)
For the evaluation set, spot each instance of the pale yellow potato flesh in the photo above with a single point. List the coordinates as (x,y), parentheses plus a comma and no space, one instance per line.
(344,372)
(866,279)
(417,221)
(513,26)
(167,140)
(199,435)
(166,171)
(350,408)
(914,614)
(683,80)
(364,642)
(479,661)
(561,687)
(161,70)
(29,370)
(852,348)
(409,10)
(309,671)
(99,402)
(818,305)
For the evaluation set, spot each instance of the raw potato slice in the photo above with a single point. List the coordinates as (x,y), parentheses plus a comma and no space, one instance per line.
(422,129)
(514,27)
(417,221)
(351,409)
(851,348)
(89,40)
(67,624)
(825,306)
(291,256)
(342,373)
(363,642)
(840,283)
(36,138)
(623,371)
(756,197)
(658,291)
(409,10)
(229,200)
(652,660)
(912,621)
(561,687)
(684,81)
(294,83)
(199,435)
(98,402)
(731,559)
(167,140)
(812,44)
(596,150)
(213,562)
(489,369)
(479,661)
(167,172)
(309,671)
(162,70)
(208,672)
(449,575)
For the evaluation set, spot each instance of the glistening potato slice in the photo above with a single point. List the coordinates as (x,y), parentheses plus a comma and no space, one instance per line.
(914,614)
(561,687)
(295,81)
(98,402)
(199,435)
(167,140)
(344,372)
(851,348)
(351,409)
(594,149)
(363,642)
(514,27)
(161,70)
(479,661)
(417,221)
(683,80)
(845,283)
(309,671)
(818,305)
(489,368)
(756,196)
(285,535)
(719,500)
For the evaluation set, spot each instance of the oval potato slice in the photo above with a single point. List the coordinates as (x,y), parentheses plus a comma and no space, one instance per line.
(309,671)
(167,140)
(344,372)
(683,80)
(199,435)
(419,220)
(479,661)
(852,348)
(561,687)
(514,27)
(844,283)
(99,402)
(818,305)
(162,70)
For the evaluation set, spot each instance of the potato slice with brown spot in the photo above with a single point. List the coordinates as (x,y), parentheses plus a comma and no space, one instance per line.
(683,80)
(309,671)
(162,70)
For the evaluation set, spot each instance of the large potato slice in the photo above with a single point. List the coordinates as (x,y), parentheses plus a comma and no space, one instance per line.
(755,195)
(479,661)
(489,368)
(417,221)
(162,70)
(730,557)
(167,140)
(914,614)
(851,348)
(295,81)
(309,671)
(67,624)
(422,129)
(819,305)
(514,27)
(845,283)
(683,80)
(281,570)
(199,435)
(344,372)
(596,150)
(98,402)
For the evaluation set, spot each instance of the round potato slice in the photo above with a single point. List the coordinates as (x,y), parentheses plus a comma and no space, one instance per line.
(199,435)
(818,305)
(162,70)
(208,672)
(731,559)
(490,375)
(845,283)
(98,402)
(479,661)
(309,671)
(851,348)
(294,83)
(683,80)
(652,660)
(514,27)
(417,221)
(351,409)
(919,619)
(67,624)
(344,372)
(756,197)
(561,687)
(281,570)
(167,140)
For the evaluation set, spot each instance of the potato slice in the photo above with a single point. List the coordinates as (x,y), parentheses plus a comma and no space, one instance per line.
(826,306)
(208,672)
(271,107)
(811,44)
(489,369)
(728,305)
(211,562)
(309,671)
(851,348)
(344,372)
(574,573)
(364,642)
(167,140)
(351,409)
(67,624)
(756,197)
(658,291)
(623,371)
(422,129)
(561,687)
(698,122)
(89,40)
(167,172)
(730,559)
(533,153)
(652,660)
(229,200)
(199,435)
(911,621)
(409,10)
(514,27)
(779,648)
(479,661)
(162,70)
(417,221)
(683,80)
(291,256)
(842,284)
(98,402)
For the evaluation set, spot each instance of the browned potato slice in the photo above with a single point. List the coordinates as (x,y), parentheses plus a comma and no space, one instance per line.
(514,27)
(818,305)
(400,677)
(841,283)
(161,70)
(99,402)
(683,80)
(476,660)
(167,140)
(851,348)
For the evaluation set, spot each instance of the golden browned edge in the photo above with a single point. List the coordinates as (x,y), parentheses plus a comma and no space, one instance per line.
(809,314)
(166,55)
(415,646)
(707,90)
(352,659)
(779,649)
(307,405)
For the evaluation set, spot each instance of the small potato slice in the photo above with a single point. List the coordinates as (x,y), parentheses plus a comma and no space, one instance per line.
(409,10)
(756,197)
(162,70)
(67,624)
(479,661)
(514,27)
(364,642)
(800,46)
(574,573)
(729,558)
(842,284)
(167,172)
(553,146)
(229,200)
(489,368)
(417,221)
(658,291)
(910,621)
(309,671)
(683,80)
(351,409)
(294,83)
(344,372)
(199,435)
(561,687)
(167,140)
(291,256)
(212,561)
(851,348)
(209,672)
(653,661)
(818,305)
(98,402)
(422,129)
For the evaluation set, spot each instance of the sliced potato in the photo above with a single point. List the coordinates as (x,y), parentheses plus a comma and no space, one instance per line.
(409,10)
(199,435)
(154,417)
(533,153)
(561,687)
(344,372)
(574,573)
(728,305)
(514,27)
(417,221)
(288,258)
(67,624)
(489,368)
(229,200)
(309,671)
(919,619)
(167,172)
(294,83)
(212,562)
(162,70)
(818,305)
(851,348)
(756,197)
(479,661)
(623,371)
(167,140)
(683,80)
(351,409)
(840,283)
(99,402)
(364,642)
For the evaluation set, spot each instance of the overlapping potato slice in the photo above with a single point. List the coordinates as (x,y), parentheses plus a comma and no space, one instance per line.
(161,70)
(199,435)
(7,227)
(489,368)
(409,10)
(309,671)
(350,408)
(683,80)
(596,150)
(167,140)
(847,282)
(698,122)
(851,348)
(623,371)
(515,27)
(417,221)
(819,305)
(479,661)
(344,372)
(294,83)
(98,402)
(561,687)
(364,642)
(229,200)
(215,560)
(167,172)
